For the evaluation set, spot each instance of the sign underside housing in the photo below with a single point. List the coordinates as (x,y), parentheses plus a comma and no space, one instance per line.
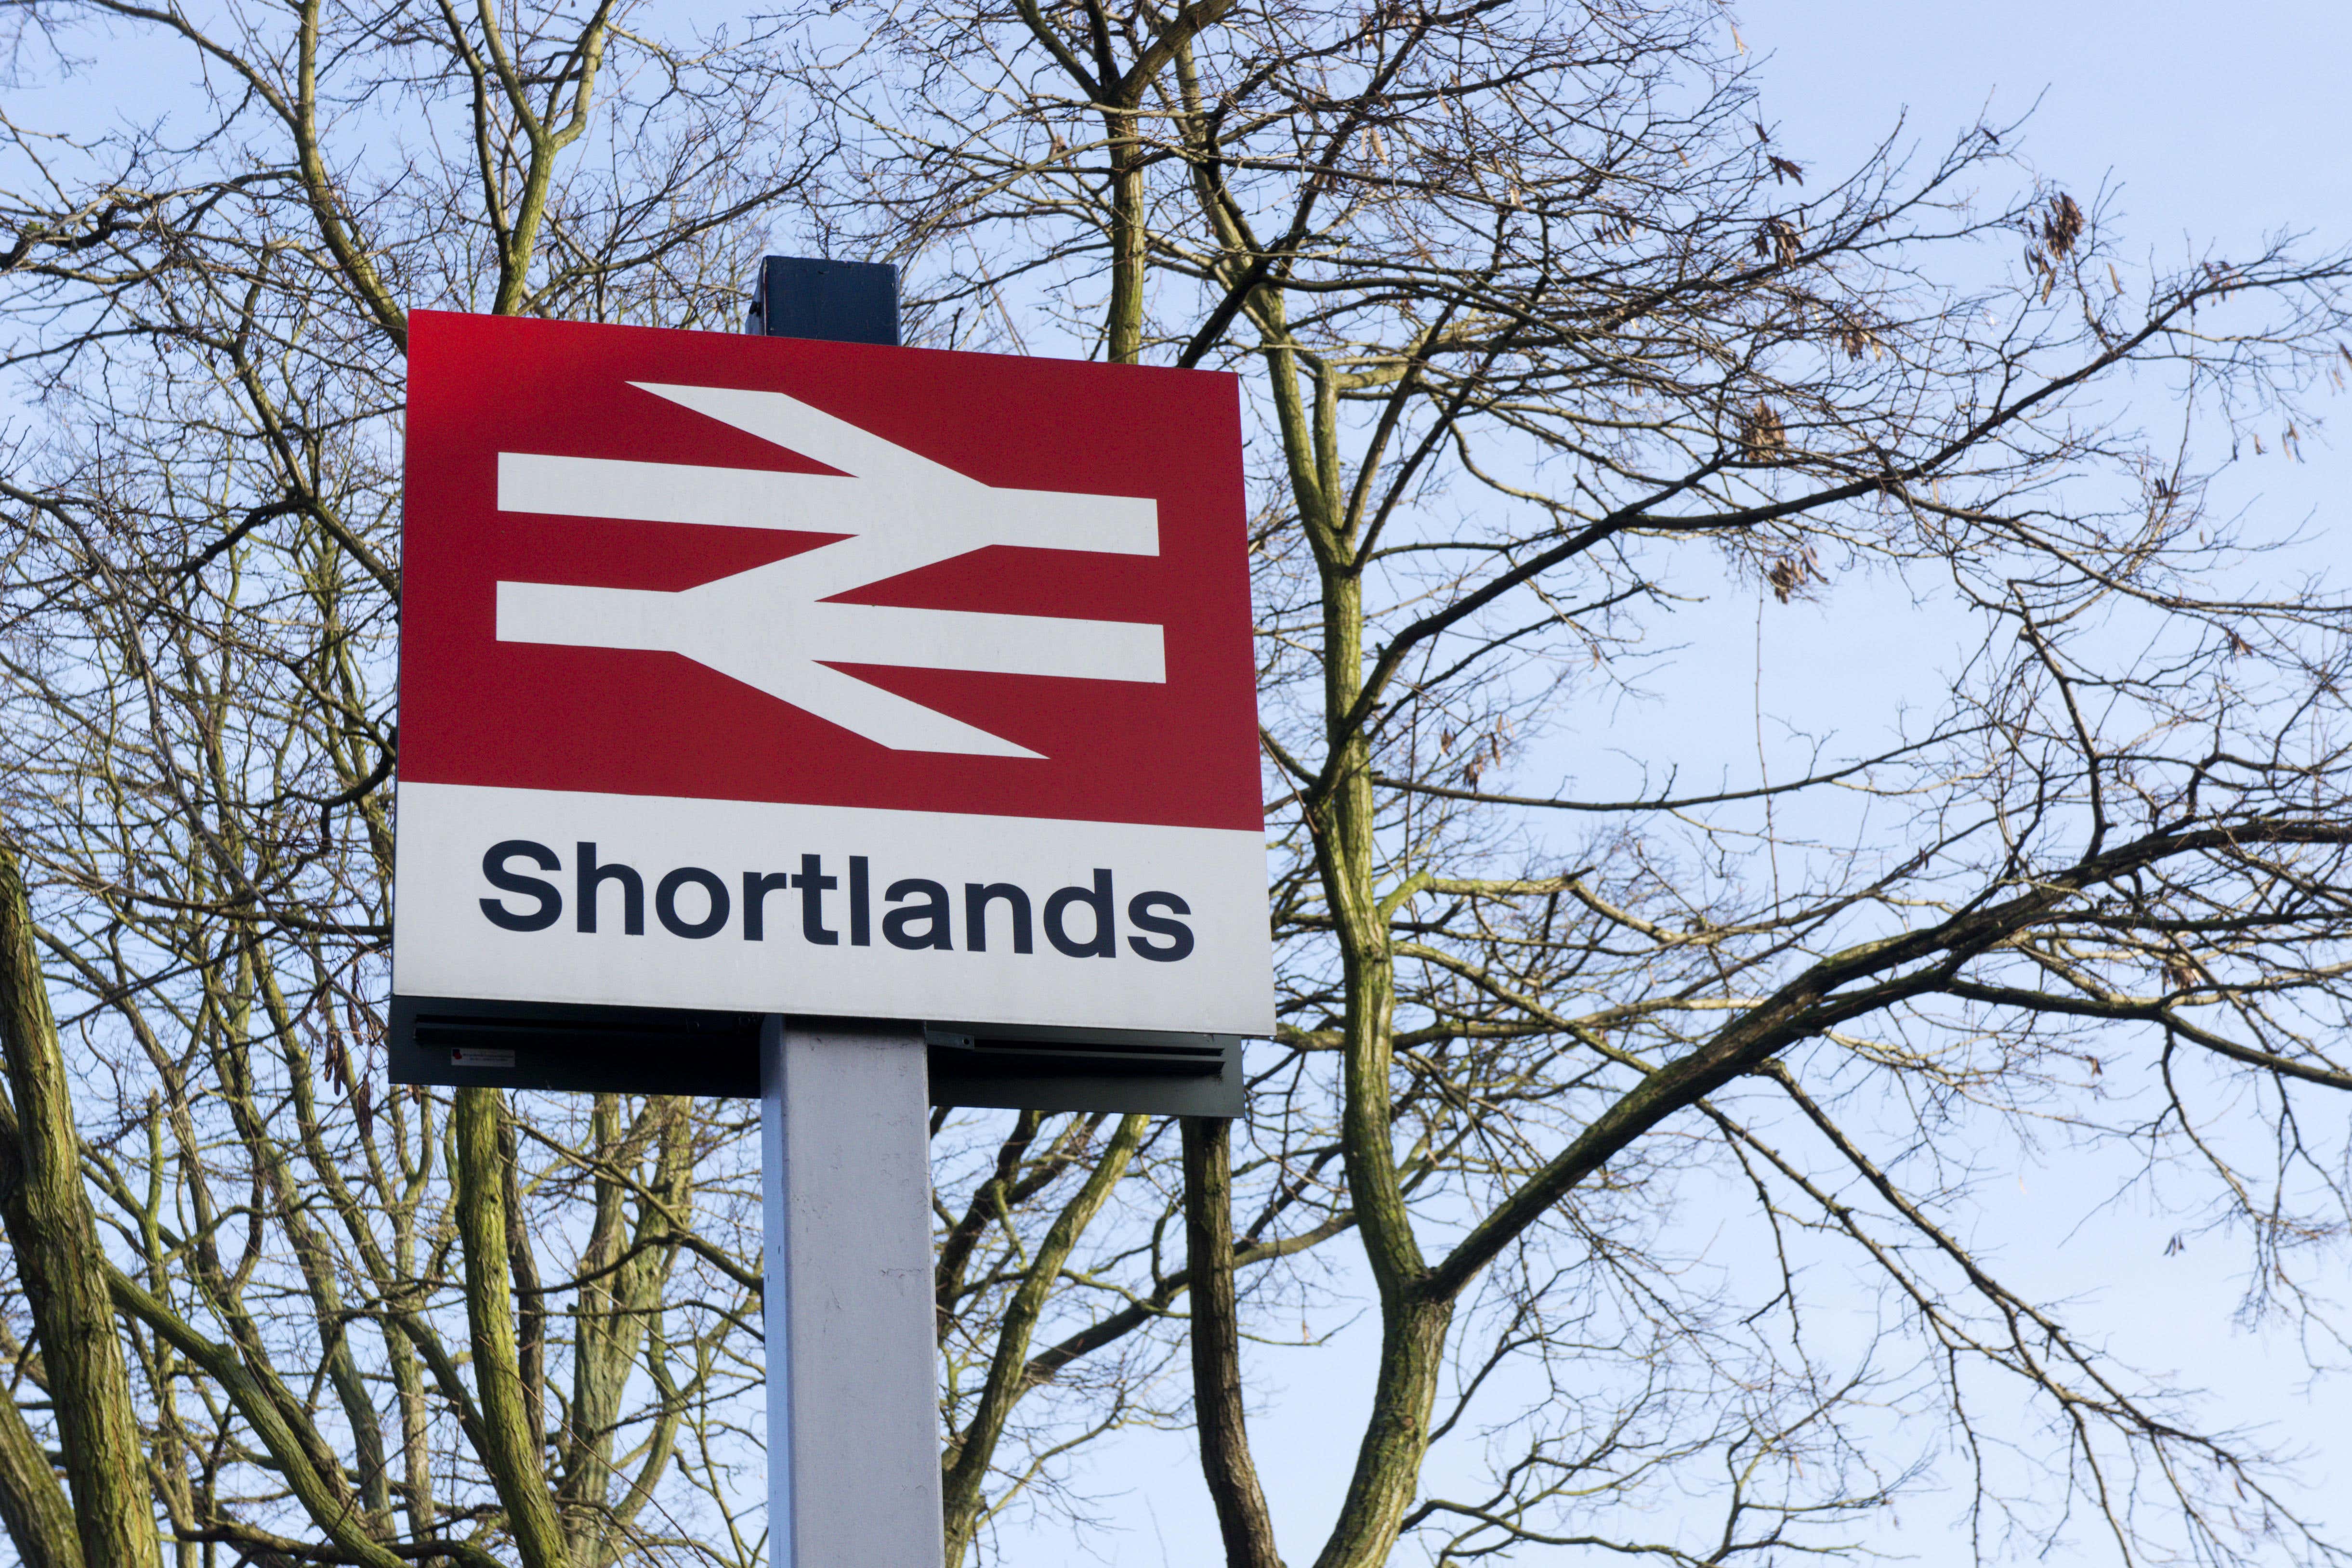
(474,1044)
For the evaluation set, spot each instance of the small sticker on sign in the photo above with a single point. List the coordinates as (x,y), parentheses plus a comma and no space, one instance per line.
(480,1056)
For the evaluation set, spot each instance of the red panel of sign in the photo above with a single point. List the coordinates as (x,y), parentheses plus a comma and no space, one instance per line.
(620,405)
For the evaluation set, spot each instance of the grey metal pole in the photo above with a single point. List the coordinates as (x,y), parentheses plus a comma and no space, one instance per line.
(845,1159)
(853,1425)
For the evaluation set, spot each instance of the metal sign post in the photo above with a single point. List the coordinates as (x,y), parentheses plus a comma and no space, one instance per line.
(845,1190)
(863,727)
(853,1394)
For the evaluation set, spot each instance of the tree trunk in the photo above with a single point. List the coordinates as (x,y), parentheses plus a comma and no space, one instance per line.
(1217,1412)
(515,1451)
(1413,1317)
(1124,327)
(1396,1438)
(33,1506)
(55,1236)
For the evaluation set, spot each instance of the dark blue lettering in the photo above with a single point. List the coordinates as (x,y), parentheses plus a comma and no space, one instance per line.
(494,869)
(591,876)
(898,923)
(666,902)
(1180,936)
(1104,943)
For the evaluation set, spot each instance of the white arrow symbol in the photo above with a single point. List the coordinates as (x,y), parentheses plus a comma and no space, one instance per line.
(772,626)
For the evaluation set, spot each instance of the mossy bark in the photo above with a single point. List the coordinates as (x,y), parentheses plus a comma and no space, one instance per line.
(58,1257)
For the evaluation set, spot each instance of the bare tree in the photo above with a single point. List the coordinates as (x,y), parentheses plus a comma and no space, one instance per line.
(1543,330)
(334,1323)
(358,1326)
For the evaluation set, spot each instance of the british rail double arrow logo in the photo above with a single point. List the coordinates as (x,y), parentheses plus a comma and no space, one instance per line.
(776,627)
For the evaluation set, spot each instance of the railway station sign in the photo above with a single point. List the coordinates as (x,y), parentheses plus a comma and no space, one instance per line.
(756,675)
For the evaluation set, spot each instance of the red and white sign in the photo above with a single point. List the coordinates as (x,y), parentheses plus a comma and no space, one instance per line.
(765,674)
